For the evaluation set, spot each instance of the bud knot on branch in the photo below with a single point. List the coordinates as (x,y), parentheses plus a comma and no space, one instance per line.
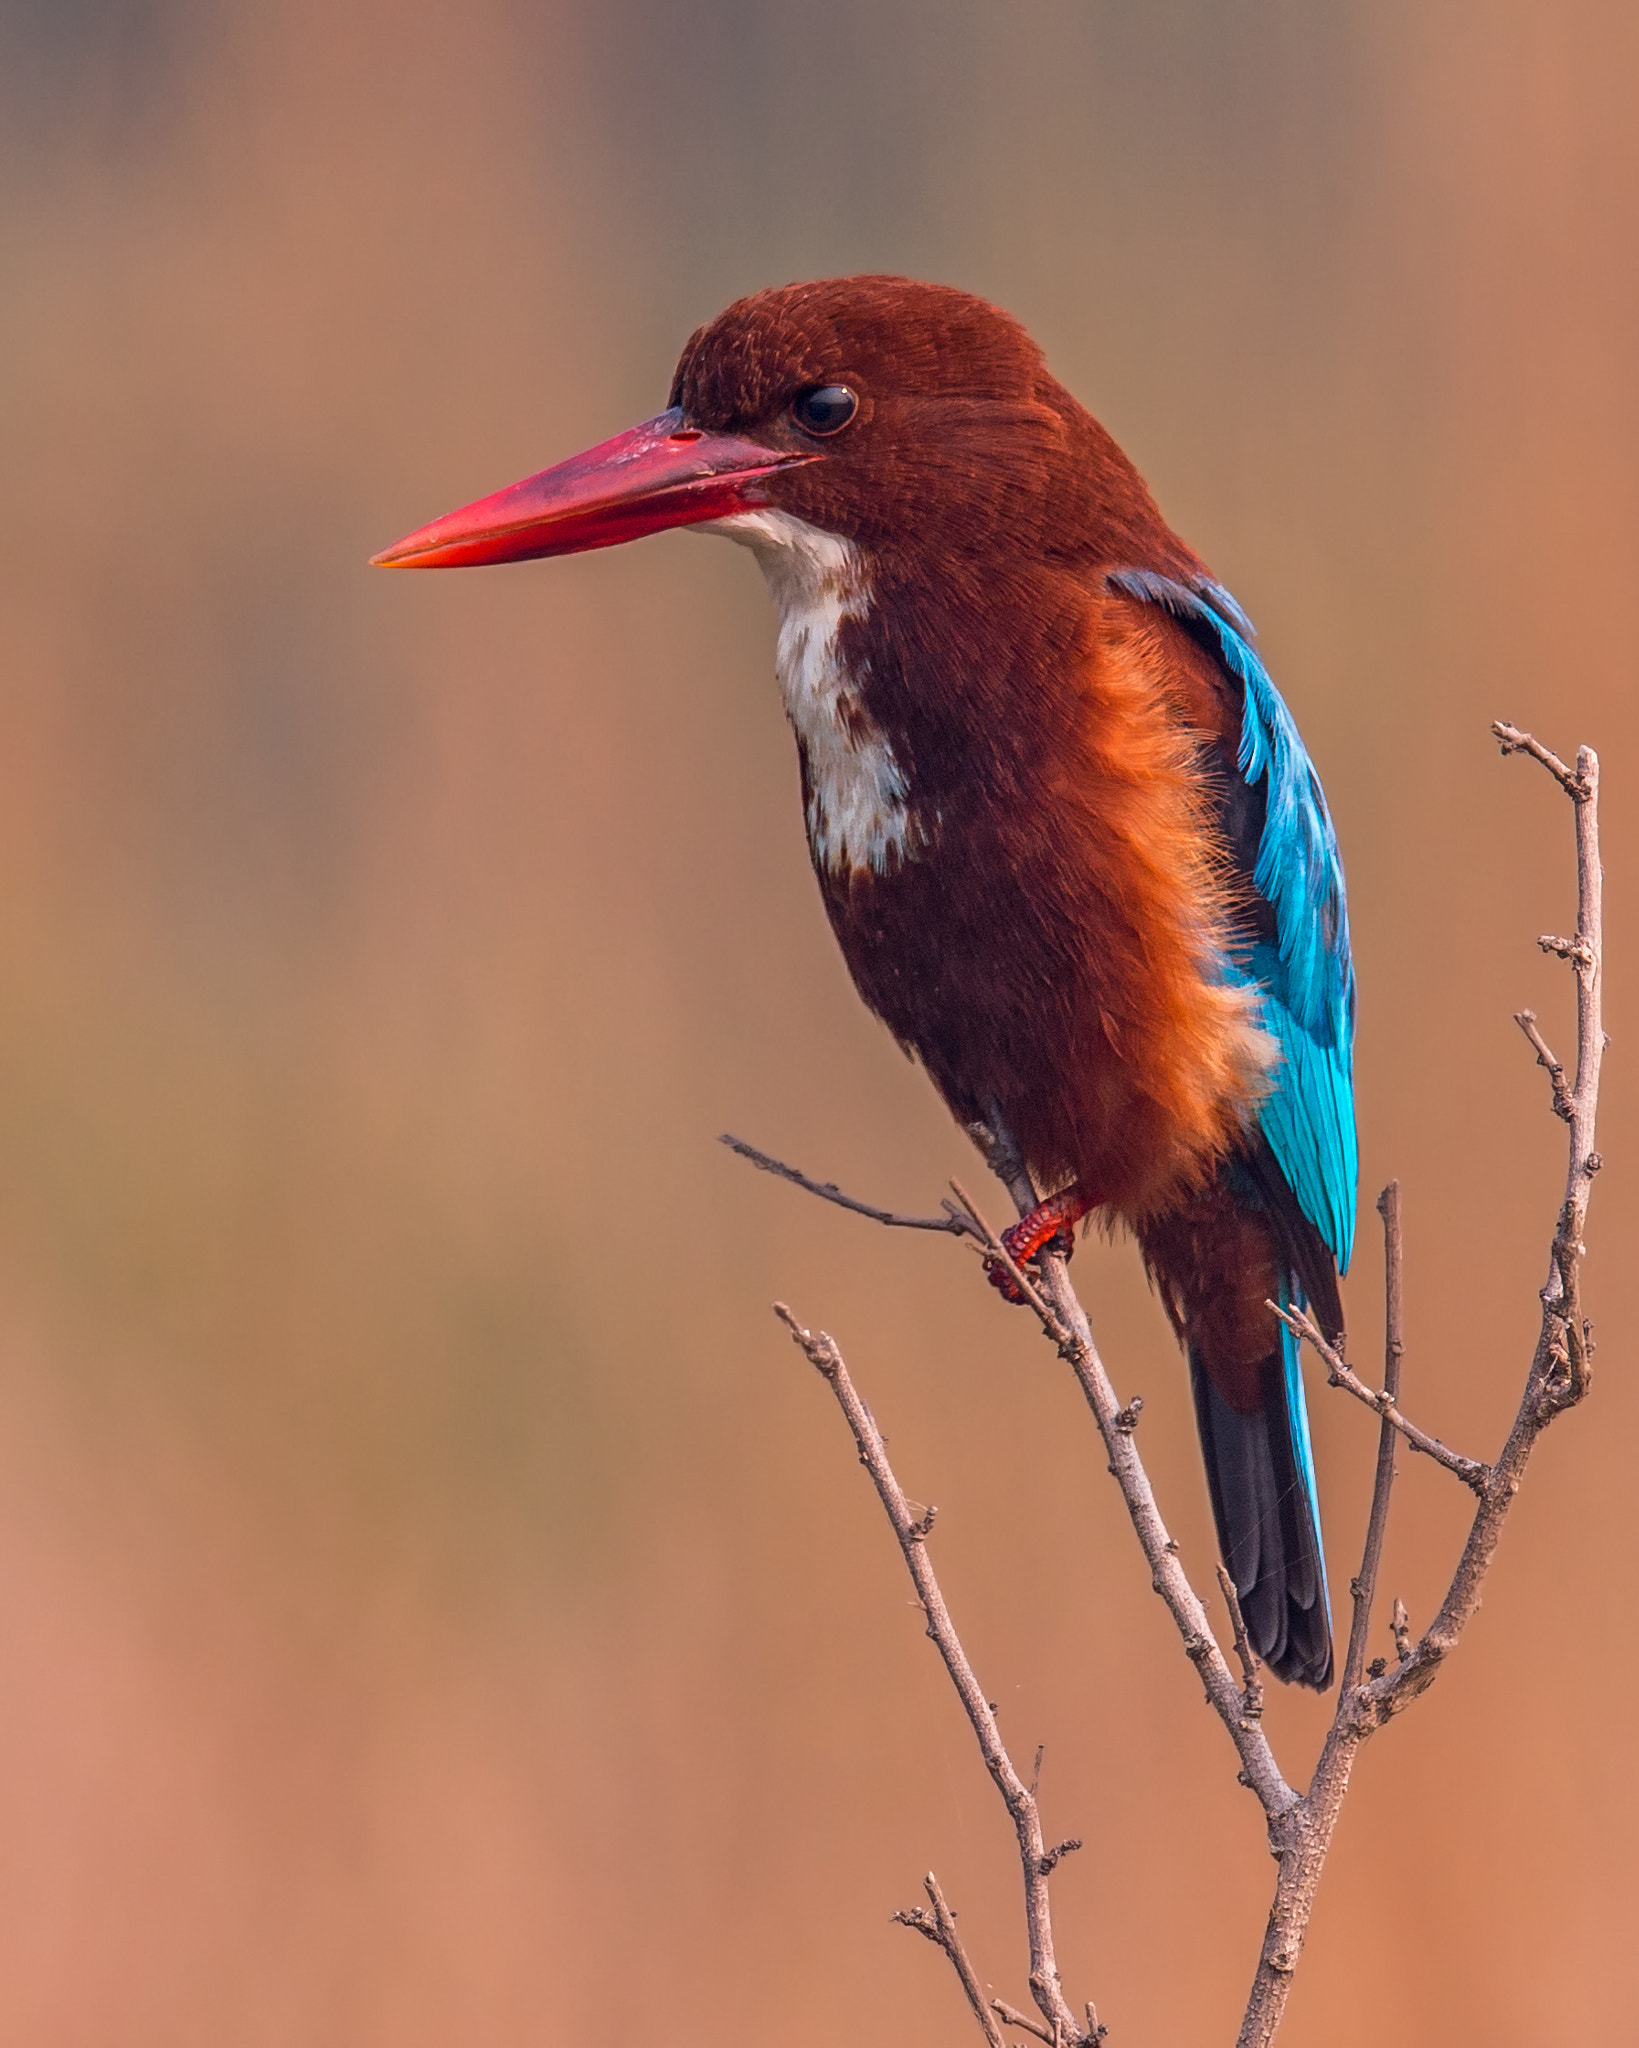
(1053,1857)
(1577,951)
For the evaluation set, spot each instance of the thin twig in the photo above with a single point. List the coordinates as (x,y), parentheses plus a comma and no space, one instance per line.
(1364,1586)
(1021,2019)
(940,1928)
(1340,1373)
(822,1353)
(996,1251)
(950,1222)
(1251,1690)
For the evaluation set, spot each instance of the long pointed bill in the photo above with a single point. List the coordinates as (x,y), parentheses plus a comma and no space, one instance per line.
(660,474)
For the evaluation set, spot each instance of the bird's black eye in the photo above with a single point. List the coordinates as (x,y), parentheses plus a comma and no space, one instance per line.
(826,409)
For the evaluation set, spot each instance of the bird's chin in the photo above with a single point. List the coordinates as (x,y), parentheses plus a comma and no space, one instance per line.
(758,528)
(776,537)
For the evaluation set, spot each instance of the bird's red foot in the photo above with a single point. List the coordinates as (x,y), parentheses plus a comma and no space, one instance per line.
(1050,1226)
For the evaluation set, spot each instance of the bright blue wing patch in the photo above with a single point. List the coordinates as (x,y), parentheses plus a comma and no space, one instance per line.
(1307,978)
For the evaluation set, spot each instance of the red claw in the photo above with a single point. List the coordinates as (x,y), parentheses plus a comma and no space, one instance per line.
(1051,1225)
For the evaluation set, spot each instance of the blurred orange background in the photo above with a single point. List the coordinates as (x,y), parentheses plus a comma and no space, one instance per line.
(437,1604)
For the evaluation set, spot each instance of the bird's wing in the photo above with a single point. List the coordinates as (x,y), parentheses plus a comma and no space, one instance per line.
(1303,965)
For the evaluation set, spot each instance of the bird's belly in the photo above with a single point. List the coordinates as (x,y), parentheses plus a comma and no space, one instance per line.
(1034,1001)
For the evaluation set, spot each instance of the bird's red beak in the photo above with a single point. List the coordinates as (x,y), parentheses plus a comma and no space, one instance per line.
(663,473)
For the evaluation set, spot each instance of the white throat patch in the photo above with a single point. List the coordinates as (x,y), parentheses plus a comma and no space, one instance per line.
(858,810)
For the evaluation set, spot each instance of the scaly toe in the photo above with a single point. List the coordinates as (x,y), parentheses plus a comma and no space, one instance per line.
(1002,1280)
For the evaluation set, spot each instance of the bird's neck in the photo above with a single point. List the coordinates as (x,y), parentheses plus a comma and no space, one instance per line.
(859,805)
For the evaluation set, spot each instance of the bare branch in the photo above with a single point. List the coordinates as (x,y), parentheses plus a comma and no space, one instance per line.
(1004,1158)
(1364,1587)
(1300,1828)
(1339,1373)
(1045,1987)
(1064,1321)
(940,1928)
(953,1224)
(1557,1379)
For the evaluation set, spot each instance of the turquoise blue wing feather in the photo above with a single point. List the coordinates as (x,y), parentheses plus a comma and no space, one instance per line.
(1294,951)
(1306,977)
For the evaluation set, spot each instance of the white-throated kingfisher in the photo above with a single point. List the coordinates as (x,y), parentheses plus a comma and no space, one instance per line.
(1066,832)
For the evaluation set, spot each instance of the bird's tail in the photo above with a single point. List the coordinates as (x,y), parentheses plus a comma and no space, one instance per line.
(1261,1476)
(1216,1264)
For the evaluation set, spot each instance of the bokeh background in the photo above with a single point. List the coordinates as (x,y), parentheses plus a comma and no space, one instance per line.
(437,1605)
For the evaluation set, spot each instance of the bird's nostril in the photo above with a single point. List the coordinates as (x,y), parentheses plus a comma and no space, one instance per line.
(685,434)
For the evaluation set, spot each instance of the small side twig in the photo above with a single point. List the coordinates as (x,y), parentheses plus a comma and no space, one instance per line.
(1512,741)
(940,1928)
(997,1253)
(1340,1373)
(1251,1690)
(1022,2020)
(951,1222)
(1527,1022)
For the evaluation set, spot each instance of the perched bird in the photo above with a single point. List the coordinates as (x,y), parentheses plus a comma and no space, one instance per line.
(1067,835)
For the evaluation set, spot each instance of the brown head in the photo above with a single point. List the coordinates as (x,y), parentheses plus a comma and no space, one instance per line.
(912,420)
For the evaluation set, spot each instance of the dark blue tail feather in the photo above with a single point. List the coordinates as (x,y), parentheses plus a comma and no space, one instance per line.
(1261,1478)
